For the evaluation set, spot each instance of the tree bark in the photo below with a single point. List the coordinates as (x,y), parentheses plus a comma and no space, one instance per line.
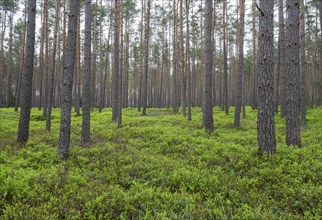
(302,65)
(46,58)
(3,25)
(146,59)
(282,58)
(293,132)
(182,66)
(52,72)
(67,83)
(116,69)
(10,67)
(320,90)
(26,93)
(22,56)
(225,93)
(240,64)
(188,60)
(86,102)
(265,120)
(207,115)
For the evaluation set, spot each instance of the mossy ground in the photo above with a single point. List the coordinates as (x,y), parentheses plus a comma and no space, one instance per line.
(159,167)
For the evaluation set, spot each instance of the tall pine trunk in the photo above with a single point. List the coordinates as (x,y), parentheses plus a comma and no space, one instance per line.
(26,93)
(86,97)
(207,114)
(146,59)
(116,69)
(302,65)
(293,132)
(188,60)
(52,70)
(67,83)
(282,58)
(240,82)
(225,93)
(265,120)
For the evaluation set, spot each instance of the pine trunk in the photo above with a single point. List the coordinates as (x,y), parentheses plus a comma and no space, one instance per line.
(26,93)
(240,64)
(86,101)
(52,70)
(67,83)
(146,59)
(265,120)
(116,69)
(293,132)
(207,115)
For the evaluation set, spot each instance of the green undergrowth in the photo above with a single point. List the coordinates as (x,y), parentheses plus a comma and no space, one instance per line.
(159,166)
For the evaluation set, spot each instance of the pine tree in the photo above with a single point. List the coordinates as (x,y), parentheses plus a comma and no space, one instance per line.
(265,120)
(207,114)
(293,131)
(26,92)
(86,102)
(67,83)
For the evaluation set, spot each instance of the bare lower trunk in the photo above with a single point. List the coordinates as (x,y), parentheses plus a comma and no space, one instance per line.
(207,115)
(26,93)
(293,132)
(67,83)
(86,101)
(265,120)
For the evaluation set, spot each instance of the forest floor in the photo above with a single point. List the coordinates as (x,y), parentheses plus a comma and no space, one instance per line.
(159,167)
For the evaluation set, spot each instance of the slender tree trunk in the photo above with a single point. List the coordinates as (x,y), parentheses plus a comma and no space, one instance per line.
(188,60)
(314,97)
(169,62)
(293,131)
(207,115)
(22,56)
(126,65)
(141,58)
(26,93)
(116,69)
(102,86)
(265,120)
(146,59)
(320,90)
(86,102)
(52,72)
(240,82)
(41,59)
(64,49)
(77,69)
(4,25)
(225,93)
(10,64)
(46,55)
(67,83)
(302,65)
(120,95)
(162,62)
(214,56)
(182,70)
(174,64)
(254,59)
(282,58)
(94,56)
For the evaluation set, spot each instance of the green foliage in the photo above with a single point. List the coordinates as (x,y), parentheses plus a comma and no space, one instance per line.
(159,166)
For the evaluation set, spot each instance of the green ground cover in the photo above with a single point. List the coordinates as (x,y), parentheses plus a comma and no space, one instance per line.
(159,167)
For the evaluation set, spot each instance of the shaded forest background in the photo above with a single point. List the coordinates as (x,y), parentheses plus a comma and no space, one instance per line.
(167,29)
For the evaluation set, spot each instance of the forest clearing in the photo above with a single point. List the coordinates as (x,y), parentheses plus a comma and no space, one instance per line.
(159,166)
